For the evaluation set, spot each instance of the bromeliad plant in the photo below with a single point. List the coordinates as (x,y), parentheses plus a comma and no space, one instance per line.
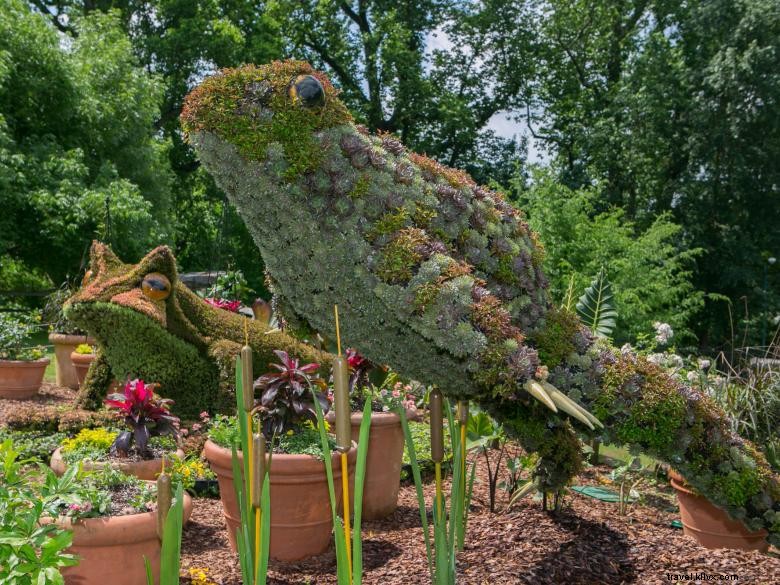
(286,402)
(146,414)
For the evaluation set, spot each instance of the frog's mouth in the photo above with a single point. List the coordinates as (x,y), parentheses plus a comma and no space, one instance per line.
(132,300)
(108,321)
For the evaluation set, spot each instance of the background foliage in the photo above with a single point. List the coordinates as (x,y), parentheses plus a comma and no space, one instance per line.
(655,123)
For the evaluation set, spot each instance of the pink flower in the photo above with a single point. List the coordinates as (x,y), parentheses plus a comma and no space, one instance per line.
(204,416)
(196,427)
(396,393)
(232,306)
(354,359)
(185,432)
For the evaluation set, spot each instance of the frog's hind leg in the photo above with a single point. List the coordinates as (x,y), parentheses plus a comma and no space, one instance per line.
(96,384)
(551,438)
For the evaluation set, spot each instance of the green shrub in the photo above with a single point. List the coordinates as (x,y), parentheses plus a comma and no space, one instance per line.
(650,270)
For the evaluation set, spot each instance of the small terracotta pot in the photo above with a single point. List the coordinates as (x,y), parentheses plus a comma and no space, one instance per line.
(64,346)
(711,526)
(81,363)
(145,469)
(21,379)
(112,549)
(301,522)
(383,461)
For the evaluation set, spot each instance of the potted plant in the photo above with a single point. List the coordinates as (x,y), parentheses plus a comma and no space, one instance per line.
(21,367)
(711,526)
(113,520)
(386,436)
(64,336)
(81,358)
(140,450)
(301,519)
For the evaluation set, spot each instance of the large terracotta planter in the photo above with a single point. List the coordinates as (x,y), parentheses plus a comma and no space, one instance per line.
(383,461)
(81,363)
(64,346)
(112,550)
(711,526)
(301,522)
(145,469)
(21,379)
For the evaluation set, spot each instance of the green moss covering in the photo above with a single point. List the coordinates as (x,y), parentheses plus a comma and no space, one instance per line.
(252,107)
(182,343)
(555,340)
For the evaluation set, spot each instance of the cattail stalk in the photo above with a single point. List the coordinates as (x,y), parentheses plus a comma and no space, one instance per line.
(164,500)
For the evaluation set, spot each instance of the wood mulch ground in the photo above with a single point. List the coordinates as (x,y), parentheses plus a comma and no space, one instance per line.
(50,396)
(586,543)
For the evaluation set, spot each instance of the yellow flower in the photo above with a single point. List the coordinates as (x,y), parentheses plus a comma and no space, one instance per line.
(100,438)
(290,433)
(199,576)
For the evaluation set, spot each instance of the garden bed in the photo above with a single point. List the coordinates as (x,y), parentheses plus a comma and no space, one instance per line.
(587,543)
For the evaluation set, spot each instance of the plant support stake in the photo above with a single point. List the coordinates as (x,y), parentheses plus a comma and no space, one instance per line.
(343,430)
(463,420)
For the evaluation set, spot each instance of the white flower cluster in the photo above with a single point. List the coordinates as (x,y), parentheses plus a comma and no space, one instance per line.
(663,332)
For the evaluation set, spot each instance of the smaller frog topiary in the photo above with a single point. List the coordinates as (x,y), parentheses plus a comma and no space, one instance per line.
(149,325)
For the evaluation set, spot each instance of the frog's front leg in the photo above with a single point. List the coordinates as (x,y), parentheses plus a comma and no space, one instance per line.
(224,353)
(96,383)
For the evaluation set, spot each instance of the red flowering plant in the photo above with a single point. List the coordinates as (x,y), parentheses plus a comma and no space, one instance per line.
(232,306)
(146,414)
(286,401)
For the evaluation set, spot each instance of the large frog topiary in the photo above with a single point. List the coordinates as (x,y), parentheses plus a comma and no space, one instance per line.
(442,279)
(149,325)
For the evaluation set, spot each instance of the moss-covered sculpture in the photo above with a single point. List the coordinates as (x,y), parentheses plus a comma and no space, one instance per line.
(441,279)
(149,325)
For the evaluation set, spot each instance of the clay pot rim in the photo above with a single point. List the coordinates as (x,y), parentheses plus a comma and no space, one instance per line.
(678,483)
(128,529)
(294,463)
(377,418)
(81,357)
(25,363)
(69,338)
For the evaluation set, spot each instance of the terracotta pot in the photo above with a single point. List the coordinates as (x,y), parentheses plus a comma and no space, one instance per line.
(383,461)
(112,550)
(21,379)
(301,523)
(144,469)
(711,526)
(81,363)
(64,346)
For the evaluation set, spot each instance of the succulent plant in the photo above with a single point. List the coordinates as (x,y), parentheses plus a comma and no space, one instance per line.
(442,280)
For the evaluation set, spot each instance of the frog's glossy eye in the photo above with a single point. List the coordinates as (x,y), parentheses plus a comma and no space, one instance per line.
(307,90)
(87,278)
(156,286)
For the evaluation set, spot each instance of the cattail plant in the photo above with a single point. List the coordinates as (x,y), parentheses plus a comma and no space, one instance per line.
(252,481)
(349,549)
(170,518)
(449,527)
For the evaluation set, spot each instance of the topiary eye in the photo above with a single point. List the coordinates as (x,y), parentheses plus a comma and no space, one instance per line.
(156,286)
(307,90)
